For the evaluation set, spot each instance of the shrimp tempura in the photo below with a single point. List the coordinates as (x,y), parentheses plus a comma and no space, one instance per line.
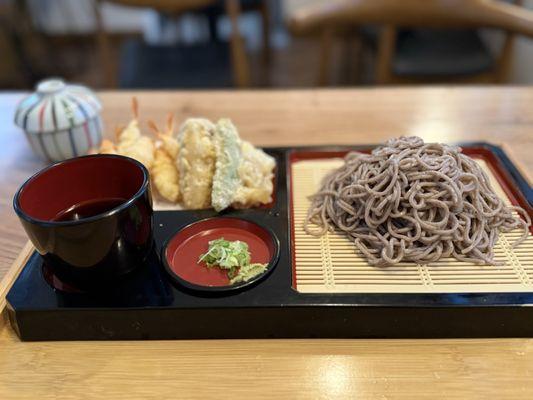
(132,143)
(127,136)
(168,142)
(164,171)
(107,147)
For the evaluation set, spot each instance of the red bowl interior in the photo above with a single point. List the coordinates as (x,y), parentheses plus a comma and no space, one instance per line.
(184,249)
(77,180)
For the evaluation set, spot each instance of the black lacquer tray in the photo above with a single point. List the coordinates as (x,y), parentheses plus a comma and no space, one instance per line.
(147,304)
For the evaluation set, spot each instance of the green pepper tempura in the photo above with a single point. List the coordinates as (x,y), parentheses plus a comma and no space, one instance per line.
(233,257)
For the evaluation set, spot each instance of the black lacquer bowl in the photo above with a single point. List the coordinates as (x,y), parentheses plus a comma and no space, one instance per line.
(91,249)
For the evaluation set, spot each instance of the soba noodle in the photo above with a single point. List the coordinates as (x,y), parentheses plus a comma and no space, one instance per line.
(412,201)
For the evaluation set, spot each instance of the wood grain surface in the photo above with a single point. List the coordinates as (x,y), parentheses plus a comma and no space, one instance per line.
(292,369)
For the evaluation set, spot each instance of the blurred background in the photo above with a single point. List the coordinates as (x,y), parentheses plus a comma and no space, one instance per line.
(199,44)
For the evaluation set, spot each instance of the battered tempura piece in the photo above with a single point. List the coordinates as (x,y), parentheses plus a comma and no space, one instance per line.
(228,152)
(196,162)
(168,142)
(256,172)
(205,166)
(131,143)
(107,147)
(165,176)
(164,171)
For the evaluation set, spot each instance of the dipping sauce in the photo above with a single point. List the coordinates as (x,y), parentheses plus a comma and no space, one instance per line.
(89,208)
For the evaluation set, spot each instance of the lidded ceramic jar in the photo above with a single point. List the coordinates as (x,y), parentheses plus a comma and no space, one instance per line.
(60,120)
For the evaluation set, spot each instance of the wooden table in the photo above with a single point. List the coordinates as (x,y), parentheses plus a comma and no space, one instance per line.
(382,369)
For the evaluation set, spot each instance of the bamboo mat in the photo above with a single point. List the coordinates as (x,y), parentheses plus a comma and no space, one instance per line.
(332,264)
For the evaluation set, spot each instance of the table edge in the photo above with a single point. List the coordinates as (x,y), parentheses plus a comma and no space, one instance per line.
(13,272)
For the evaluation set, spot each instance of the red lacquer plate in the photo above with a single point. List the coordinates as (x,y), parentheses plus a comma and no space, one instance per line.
(180,254)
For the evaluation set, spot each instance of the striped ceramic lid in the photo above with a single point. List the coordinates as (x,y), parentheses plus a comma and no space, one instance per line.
(56,106)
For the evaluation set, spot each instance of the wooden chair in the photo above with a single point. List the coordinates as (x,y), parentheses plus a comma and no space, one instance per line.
(241,73)
(25,50)
(261,7)
(327,18)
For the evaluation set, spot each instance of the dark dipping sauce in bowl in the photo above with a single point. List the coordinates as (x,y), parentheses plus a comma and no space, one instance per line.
(90,218)
(88,208)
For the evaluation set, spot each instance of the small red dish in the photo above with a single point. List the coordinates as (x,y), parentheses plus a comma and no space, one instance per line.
(180,254)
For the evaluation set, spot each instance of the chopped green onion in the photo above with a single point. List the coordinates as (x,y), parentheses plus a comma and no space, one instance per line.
(233,257)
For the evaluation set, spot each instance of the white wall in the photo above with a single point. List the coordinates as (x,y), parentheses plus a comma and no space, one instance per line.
(61,16)
(522,70)
(58,16)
